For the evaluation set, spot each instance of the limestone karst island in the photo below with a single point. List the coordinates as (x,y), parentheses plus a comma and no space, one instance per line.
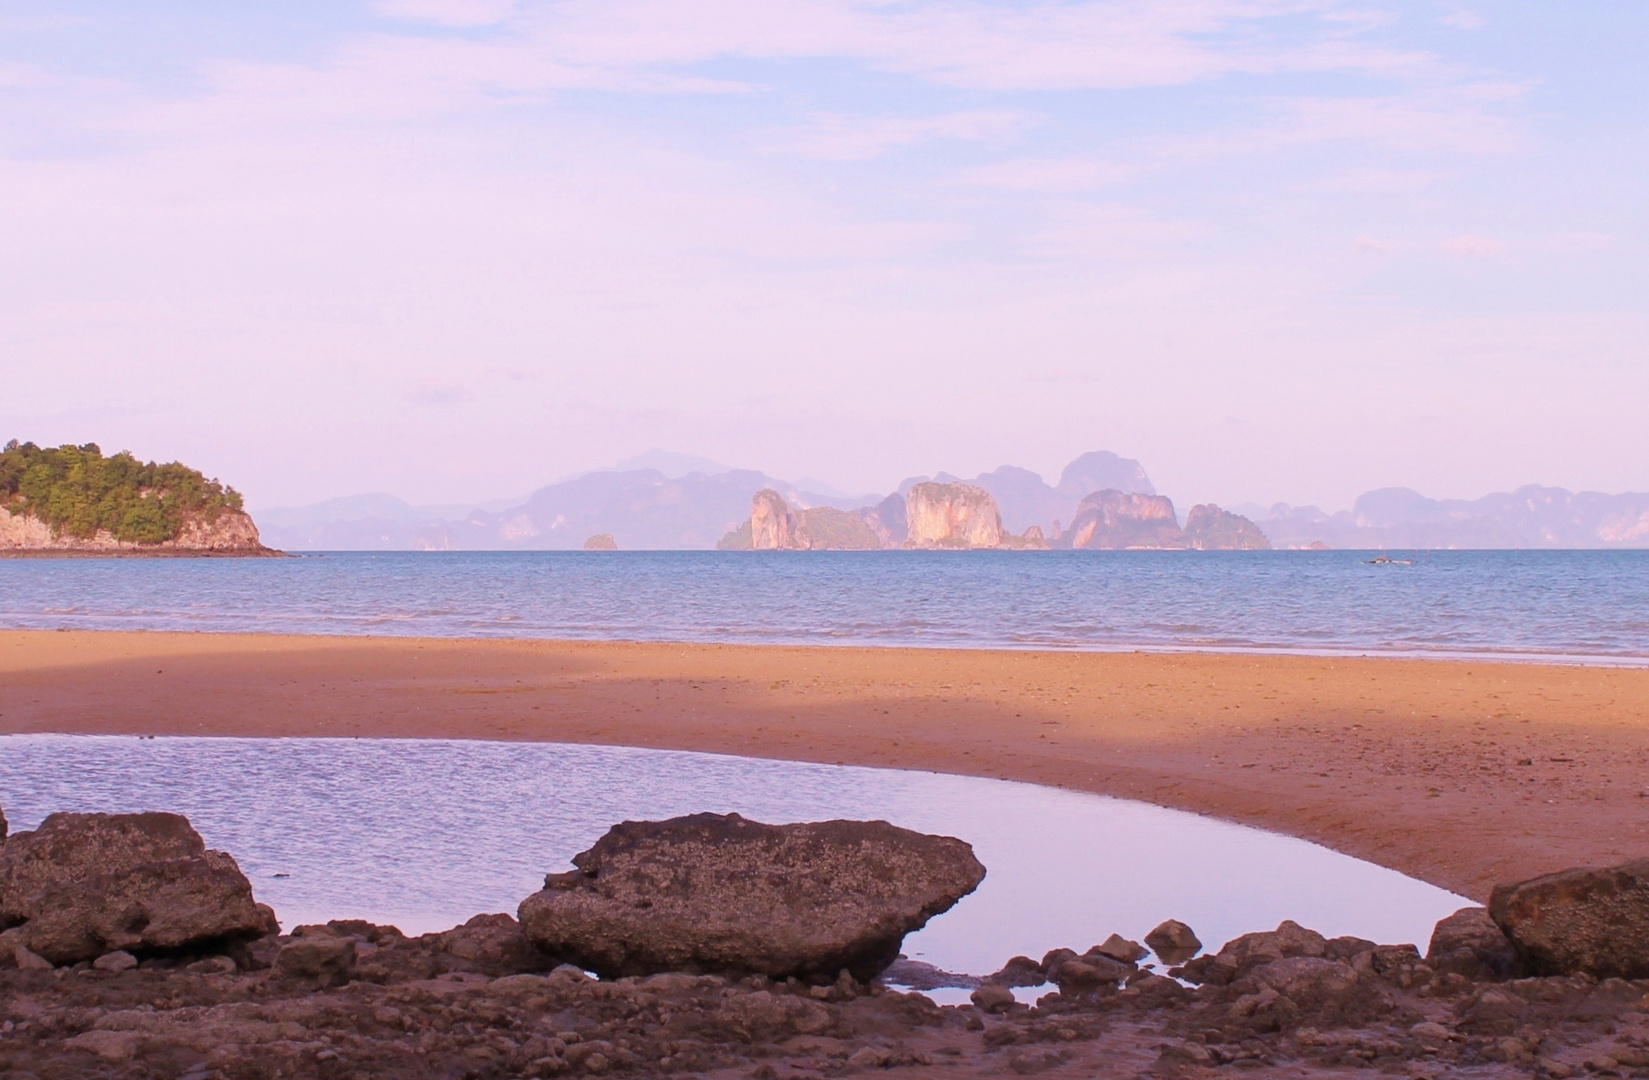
(73,500)
(935,515)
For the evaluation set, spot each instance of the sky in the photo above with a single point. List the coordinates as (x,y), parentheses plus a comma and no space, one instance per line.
(454,249)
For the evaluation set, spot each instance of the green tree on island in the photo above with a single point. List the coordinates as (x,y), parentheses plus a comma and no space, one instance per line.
(78,492)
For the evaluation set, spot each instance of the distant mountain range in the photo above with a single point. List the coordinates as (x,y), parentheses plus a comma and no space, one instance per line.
(1530,517)
(662,500)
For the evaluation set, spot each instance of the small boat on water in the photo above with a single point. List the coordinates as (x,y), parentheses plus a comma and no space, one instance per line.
(1383,559)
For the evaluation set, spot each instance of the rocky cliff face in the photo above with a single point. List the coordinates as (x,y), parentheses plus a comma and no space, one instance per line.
(952,515)
(1208,528)
(1121,519)
(230,533)
(773,527)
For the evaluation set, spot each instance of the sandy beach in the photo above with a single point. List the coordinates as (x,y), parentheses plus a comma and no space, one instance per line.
(1463,774)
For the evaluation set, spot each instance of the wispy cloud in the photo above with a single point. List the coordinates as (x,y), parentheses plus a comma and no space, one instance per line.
(1042,44)
(1050,175)
(653,46)
(846,137)
(1473,246)
(1465,20)
(439,393)
(464,13)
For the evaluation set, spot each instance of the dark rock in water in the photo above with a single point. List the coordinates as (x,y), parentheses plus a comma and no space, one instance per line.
(495,945)
(1290,939)
(1204,971)
(319,961)
(719,893)
(993,998)
(1054,957)
(1156,989)
(1173,942)
(1092,968)
(1020,971)
(1585,921)
(1469,943)
(1120,949)
(1090,974)
(2,824)
(1241,954)
(83,885)
(918,975)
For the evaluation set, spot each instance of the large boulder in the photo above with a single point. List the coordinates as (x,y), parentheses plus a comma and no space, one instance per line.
(1173,942)
(318,961)
(1591,921)
(1469,943)
(494,945)
(719,893)
(83,885)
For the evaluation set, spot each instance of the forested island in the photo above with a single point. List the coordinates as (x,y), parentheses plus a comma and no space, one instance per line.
(75,499)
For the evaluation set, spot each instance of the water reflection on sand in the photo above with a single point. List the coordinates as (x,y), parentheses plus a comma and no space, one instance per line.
(425,833)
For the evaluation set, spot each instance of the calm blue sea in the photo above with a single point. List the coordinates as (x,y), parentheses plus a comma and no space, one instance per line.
(1591,605)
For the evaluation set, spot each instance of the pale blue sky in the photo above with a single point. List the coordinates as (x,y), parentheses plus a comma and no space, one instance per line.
(455,248)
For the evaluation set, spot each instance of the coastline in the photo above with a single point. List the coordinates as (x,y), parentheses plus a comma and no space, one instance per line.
(139,553)
(1415,764)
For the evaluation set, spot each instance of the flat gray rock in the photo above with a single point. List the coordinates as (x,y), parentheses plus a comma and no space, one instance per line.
(719,893)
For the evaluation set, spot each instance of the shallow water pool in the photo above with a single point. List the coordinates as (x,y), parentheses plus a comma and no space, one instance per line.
(425,833)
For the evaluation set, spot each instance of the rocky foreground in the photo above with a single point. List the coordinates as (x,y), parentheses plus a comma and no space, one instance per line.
(355,1000)
(204,987)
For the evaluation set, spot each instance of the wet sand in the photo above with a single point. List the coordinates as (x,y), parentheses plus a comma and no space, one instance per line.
(1463,774)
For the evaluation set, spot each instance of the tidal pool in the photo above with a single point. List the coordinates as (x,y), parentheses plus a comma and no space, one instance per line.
(425,833)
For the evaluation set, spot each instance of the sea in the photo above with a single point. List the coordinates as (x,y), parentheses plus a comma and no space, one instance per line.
(1568,606)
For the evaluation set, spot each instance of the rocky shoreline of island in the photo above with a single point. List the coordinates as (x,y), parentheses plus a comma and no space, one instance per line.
(74,500)
(133,951)
(230,534)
